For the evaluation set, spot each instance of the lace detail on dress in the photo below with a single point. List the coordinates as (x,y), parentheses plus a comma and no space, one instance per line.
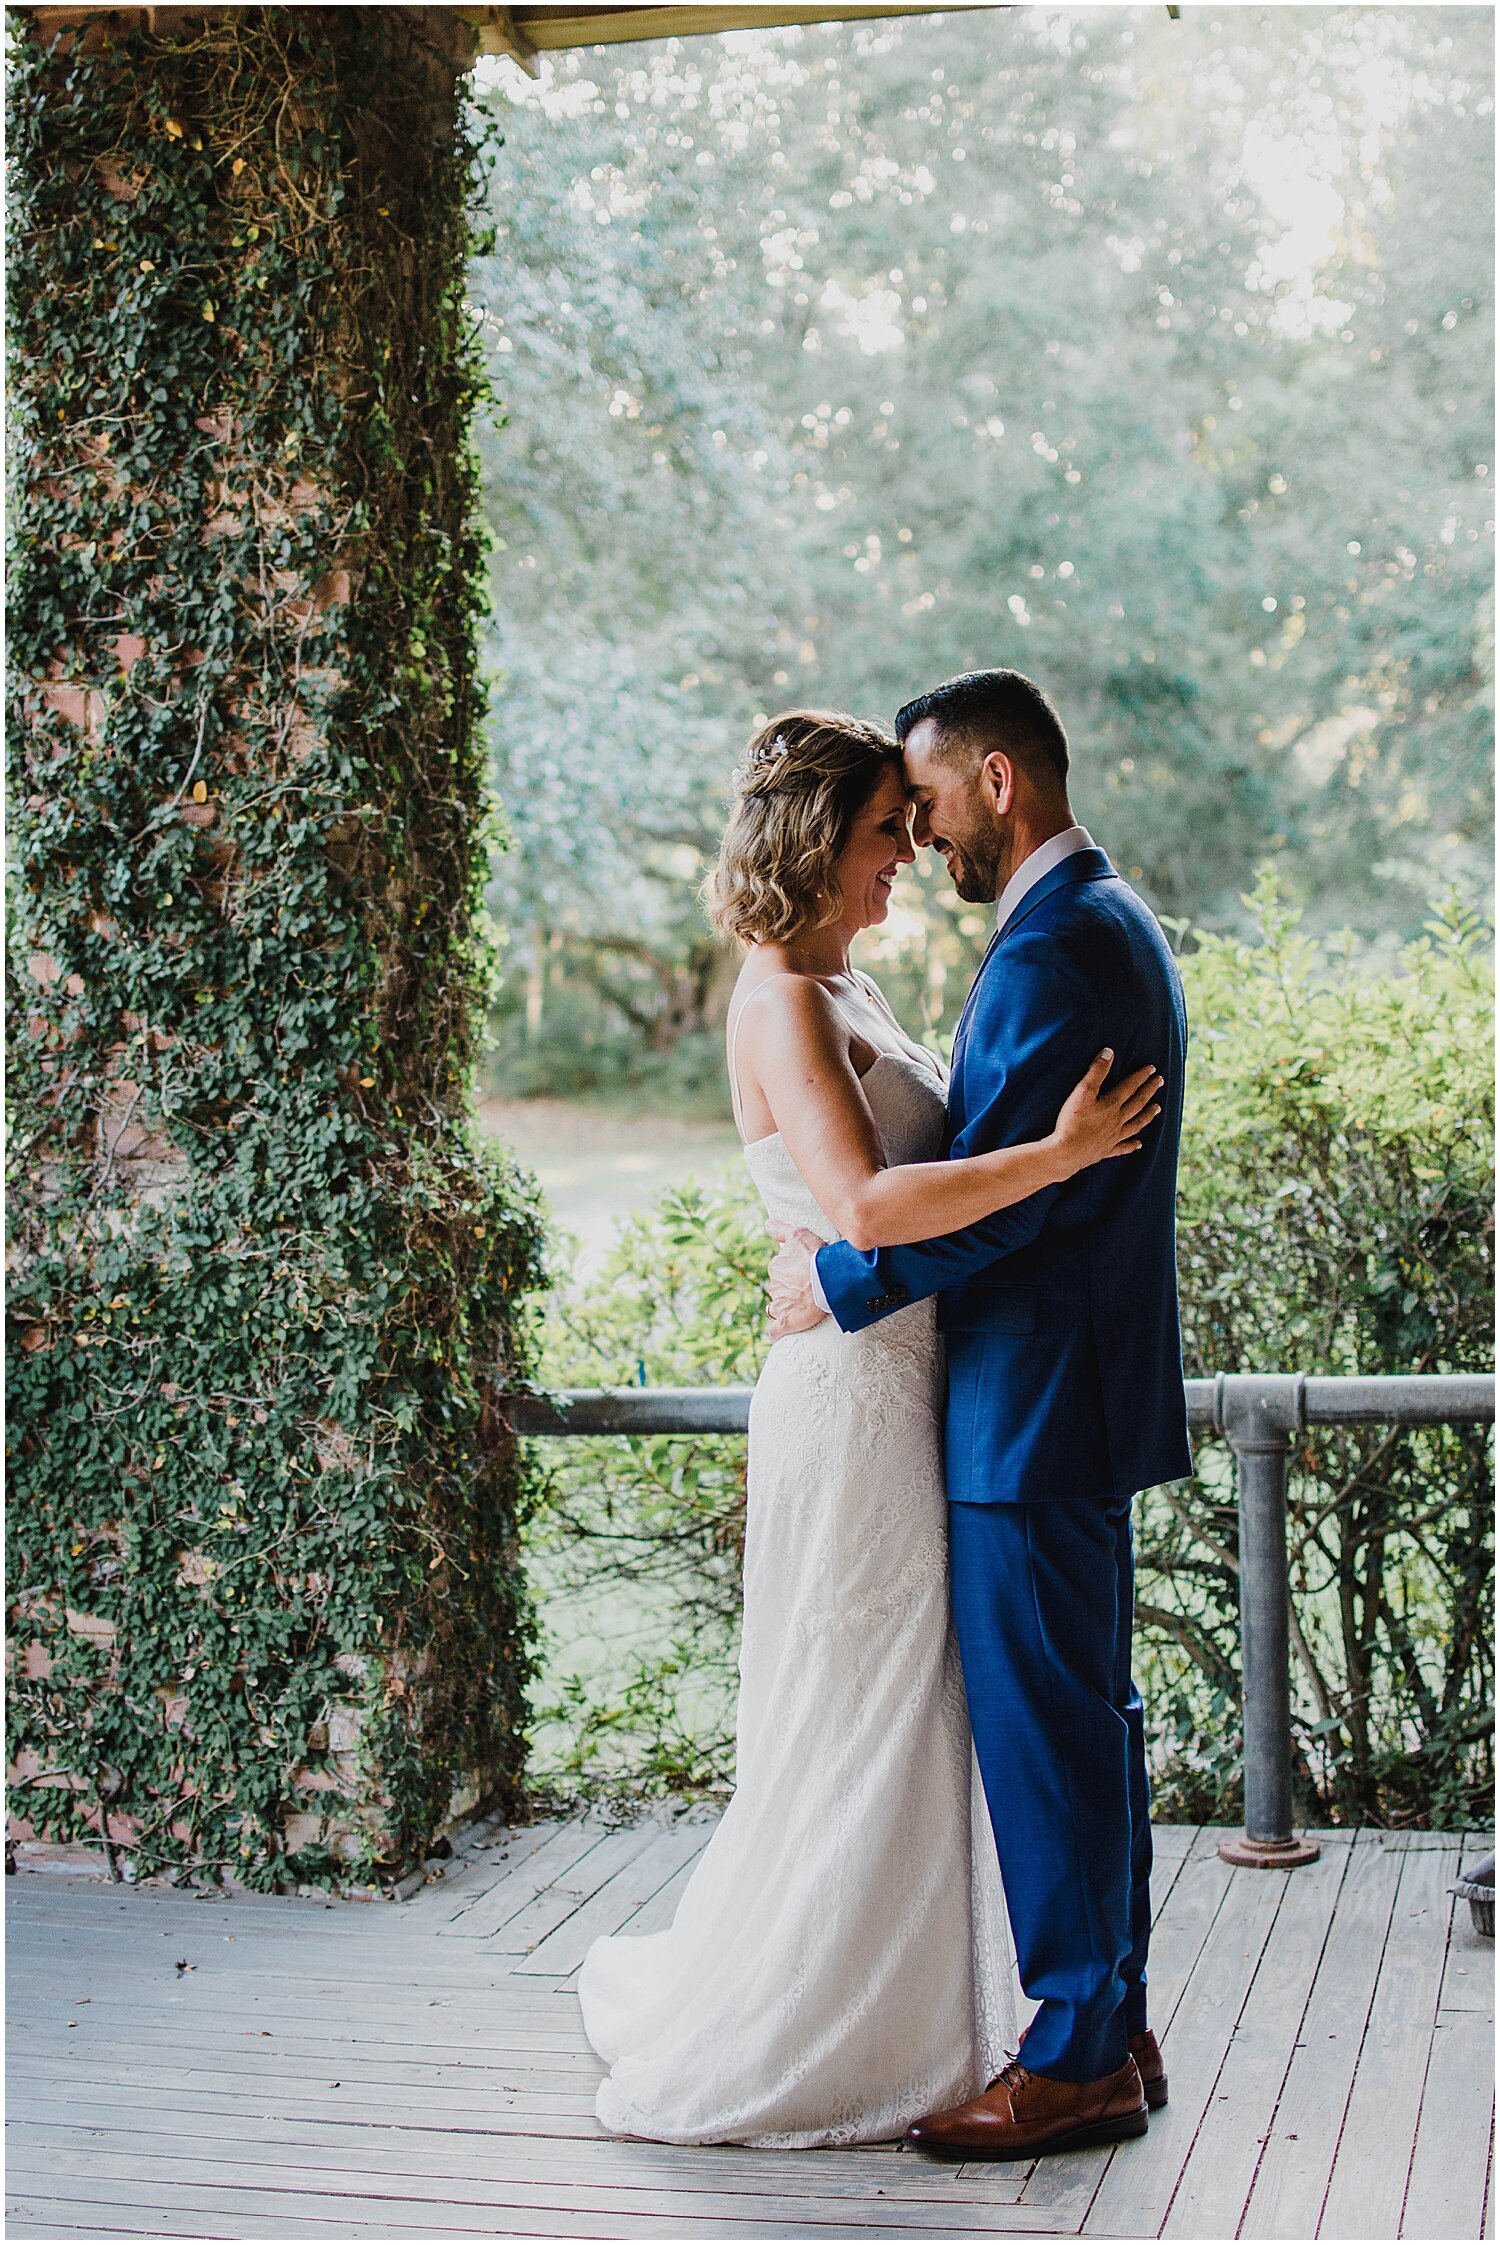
(840,1959)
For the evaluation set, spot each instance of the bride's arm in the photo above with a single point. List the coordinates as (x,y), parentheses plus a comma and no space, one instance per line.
(796,1045)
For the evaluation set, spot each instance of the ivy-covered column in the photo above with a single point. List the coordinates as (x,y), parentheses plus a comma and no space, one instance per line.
(266,1612)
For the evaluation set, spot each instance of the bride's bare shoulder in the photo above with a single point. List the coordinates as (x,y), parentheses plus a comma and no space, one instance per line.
(782,997)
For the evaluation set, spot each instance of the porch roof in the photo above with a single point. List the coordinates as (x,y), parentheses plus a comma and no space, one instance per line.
(524,33)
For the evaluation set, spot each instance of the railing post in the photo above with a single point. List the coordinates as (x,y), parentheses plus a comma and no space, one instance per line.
(1261,1415)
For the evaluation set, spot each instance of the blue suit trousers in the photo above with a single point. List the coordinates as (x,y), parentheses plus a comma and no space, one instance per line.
(1043,1599)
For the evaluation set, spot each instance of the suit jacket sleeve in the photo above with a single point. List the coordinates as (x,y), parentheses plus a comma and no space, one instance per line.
(1035,1026)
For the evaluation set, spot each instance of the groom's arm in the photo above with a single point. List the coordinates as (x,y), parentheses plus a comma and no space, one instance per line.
(1036,1026)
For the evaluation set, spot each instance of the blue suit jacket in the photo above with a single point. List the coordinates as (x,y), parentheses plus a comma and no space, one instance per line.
(1064,1356)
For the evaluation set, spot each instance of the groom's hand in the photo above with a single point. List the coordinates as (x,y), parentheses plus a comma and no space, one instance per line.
(793,1305)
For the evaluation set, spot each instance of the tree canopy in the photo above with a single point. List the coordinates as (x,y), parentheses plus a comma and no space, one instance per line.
(1152,358)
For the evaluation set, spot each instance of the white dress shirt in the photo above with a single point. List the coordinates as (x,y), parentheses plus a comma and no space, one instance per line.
(1025,878)
(1036,867)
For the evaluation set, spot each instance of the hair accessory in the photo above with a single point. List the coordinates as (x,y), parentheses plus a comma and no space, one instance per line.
(751,776)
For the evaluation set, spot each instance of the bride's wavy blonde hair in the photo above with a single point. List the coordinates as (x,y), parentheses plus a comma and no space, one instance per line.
(805,778)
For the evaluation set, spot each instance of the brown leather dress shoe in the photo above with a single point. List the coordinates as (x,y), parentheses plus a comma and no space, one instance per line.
(1022,2114)
(1153,2073)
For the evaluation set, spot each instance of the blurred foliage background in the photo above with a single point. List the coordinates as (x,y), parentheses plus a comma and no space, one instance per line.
(1336,1215)
(1153,358)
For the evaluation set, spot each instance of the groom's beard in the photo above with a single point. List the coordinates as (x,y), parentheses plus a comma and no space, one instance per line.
(975,865)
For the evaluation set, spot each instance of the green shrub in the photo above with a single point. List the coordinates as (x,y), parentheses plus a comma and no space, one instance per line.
(1335,1217)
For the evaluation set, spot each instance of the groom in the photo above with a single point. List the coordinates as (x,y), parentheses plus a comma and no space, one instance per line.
(1065,1397)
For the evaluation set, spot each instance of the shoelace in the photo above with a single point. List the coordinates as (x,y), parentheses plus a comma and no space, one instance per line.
(1013,2075)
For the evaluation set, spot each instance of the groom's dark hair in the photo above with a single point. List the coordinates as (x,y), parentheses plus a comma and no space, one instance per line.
(988,709)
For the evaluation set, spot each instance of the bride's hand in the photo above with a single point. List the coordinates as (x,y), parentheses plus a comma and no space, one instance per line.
(1096,1125)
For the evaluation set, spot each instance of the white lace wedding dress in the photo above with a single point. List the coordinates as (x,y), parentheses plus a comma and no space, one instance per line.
(840,1961)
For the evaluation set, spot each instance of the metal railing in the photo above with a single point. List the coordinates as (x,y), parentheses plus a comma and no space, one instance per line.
(1260,1414)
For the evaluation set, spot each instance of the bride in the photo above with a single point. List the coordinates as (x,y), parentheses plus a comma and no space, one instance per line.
(839,1961)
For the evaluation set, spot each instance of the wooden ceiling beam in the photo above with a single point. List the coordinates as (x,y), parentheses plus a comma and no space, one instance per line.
(524,33)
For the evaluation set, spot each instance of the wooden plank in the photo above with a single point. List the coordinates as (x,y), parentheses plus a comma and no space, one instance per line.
(189,2177)
(427,1962)
(1439,2190)
(1133,2197)
(457,1967)
(866,2173)
(47,2092)
(467,1877)
(1469,1967)
(475,2040)
(616,1901)
(37,1897)
(372,1933)
(1425,1843)
(1445,2192)
(1171,1841)
(367,1922)
(15,2228)
(1367,2188)
(860,2176)
(63,2221)
(489,1988)
(230,2010)
(470,2036)
(214,1986)
(391,1954)
(1064,2186)
(510,1894)
(503,1851)
(657,1914)
(416,2026)
(266,2072)
(189,2180)
(145,1947)
(526,1928)
(349,1926)
(154,2224)
(371,2065)
(428,1907)
(1220,2170)
(1181,1927)
(348,2090)
(1286,2199)
(513,2210)
(1164,1869)
(1489,2189)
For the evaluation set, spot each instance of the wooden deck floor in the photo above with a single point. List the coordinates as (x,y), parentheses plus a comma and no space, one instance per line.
(295,2069)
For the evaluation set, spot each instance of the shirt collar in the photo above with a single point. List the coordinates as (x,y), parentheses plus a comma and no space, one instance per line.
(1038,865)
